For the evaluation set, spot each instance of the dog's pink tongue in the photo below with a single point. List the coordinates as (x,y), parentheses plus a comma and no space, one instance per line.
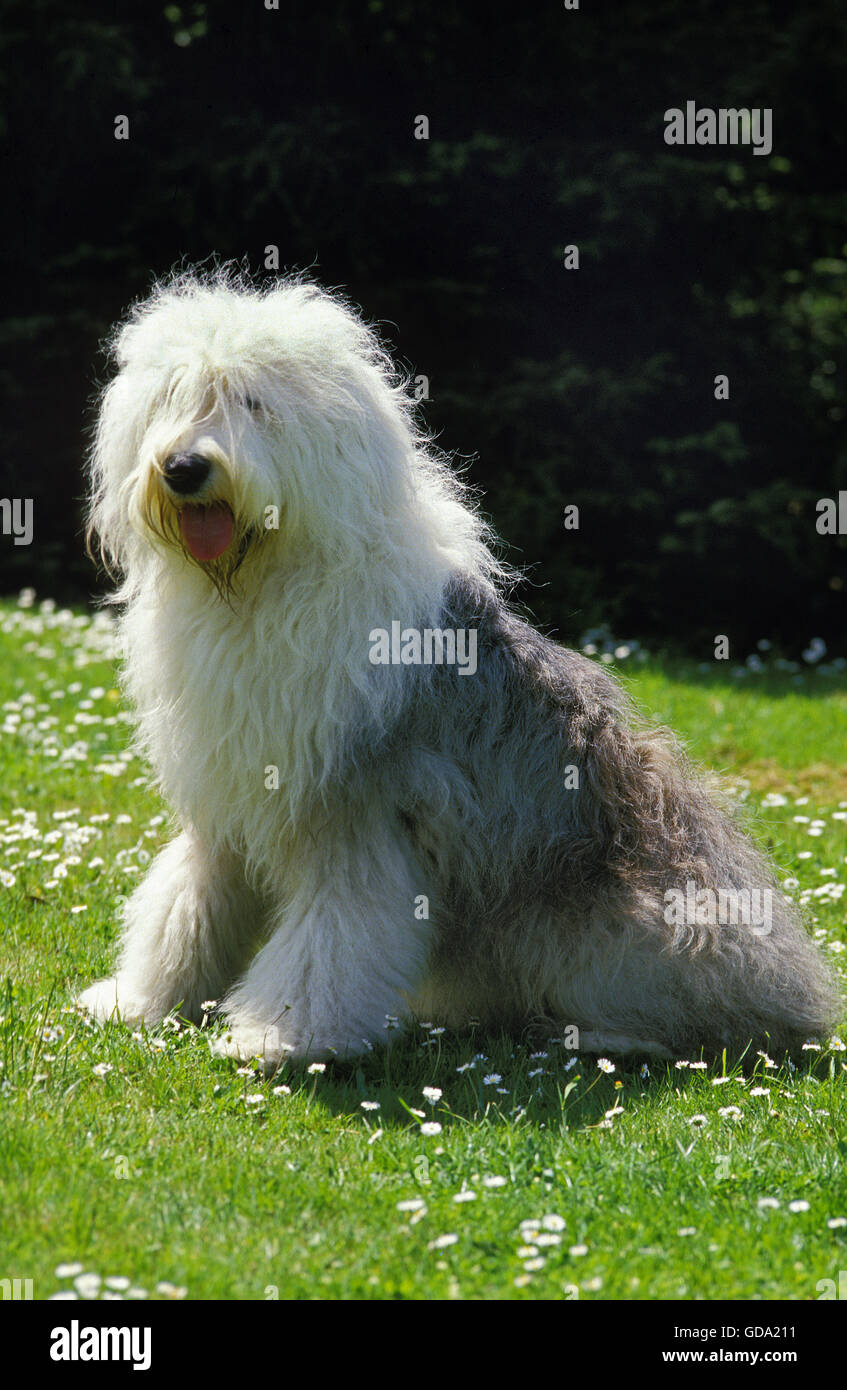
(207,531)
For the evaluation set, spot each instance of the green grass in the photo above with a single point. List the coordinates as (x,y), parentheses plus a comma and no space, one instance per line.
(144,1158)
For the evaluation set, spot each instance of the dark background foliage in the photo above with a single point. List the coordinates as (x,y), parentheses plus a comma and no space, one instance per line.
(294,128)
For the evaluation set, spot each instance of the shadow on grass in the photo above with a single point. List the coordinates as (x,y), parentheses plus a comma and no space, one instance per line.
(428,1078)
(467,1079)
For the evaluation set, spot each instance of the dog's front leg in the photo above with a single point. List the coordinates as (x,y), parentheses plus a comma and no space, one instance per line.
(187,929)
(348,951)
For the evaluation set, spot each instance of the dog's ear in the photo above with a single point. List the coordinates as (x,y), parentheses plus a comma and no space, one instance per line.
(112,462)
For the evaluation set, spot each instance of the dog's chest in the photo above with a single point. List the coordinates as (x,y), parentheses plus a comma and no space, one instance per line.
(233,720)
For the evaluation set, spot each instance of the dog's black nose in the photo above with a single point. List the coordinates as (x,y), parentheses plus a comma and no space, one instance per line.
(185,473)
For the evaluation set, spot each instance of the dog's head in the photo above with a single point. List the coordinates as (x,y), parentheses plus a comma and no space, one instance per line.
(248,424)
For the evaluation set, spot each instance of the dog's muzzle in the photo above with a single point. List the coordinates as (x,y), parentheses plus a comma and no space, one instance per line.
(206,525)
(185,474)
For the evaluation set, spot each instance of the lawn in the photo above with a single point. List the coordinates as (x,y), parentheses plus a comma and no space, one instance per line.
(447,1166)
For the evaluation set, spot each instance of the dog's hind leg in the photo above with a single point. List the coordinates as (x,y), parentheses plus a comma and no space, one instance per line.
(187,929)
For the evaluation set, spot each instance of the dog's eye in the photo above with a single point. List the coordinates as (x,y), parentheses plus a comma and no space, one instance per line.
(250,403)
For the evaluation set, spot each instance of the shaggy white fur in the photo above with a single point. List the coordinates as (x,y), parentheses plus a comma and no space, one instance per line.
(261,484)
(348,520)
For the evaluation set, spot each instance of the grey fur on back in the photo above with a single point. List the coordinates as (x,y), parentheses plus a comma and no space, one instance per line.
(549,901)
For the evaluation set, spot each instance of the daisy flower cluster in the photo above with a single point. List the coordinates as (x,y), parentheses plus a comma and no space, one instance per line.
(88,1285)
(54,852)
(600,643)
(48,629)
(830,828)
(541,1238)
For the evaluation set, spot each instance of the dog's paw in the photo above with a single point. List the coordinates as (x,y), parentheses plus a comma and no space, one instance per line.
(270,1049)
(247,1045)
(107,1003)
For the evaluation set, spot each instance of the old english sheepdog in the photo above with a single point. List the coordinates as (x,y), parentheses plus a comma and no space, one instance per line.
(395,799)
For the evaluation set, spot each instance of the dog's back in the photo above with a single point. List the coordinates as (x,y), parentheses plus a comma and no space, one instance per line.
(585,874)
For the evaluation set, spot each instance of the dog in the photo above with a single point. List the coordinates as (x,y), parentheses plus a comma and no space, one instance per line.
(396,800)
